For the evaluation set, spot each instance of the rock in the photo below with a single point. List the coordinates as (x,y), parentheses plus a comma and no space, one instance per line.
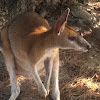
(79,12)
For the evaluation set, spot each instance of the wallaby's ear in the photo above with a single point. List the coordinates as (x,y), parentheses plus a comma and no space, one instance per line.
(60,24)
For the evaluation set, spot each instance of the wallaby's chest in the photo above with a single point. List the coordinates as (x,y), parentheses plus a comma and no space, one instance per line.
(48,54)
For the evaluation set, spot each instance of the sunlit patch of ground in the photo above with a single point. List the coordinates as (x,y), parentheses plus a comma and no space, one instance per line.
(92,86)
(21,79)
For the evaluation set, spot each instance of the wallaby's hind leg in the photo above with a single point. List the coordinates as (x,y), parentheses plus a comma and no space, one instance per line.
(42,90)
(9,60)
(48,68)
(55,84)
(10,63)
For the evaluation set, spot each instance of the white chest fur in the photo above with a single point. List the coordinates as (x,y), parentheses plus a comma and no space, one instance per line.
(48,54)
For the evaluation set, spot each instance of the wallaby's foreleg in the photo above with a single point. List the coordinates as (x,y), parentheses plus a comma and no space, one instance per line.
(41,87)
(9,60)
(48,68)
(55,84)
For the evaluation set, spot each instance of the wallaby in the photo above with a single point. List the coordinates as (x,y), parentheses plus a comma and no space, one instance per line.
(29,43)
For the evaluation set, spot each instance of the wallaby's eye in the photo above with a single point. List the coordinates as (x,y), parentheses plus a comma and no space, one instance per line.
(72,38)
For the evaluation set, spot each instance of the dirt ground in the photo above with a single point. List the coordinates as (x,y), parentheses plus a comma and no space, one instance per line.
(74,67)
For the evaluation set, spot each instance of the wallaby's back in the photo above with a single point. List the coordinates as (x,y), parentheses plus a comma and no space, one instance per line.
(21,28)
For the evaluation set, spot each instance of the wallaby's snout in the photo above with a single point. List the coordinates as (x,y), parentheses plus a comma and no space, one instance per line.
(87,47)
(83,44)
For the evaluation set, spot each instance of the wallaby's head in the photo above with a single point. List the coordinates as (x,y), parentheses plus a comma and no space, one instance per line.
(68,38)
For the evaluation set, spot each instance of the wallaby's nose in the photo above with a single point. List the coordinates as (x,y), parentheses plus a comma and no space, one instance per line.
(88,46)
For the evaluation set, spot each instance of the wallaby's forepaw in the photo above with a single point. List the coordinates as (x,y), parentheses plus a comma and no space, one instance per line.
(48,91)
(15,93)
(43,92)
(47,88)
(55,95)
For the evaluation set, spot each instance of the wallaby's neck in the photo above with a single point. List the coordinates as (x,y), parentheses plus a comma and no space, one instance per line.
(49,39)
